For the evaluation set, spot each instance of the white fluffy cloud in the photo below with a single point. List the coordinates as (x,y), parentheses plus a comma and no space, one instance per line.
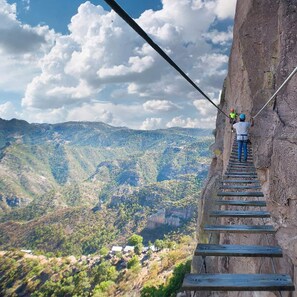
(7,111)
(225,9)
(205,108)
(180,121)
(102,70)
(21,48)
(17,38)
(221,38)
(151,123)
(159,105)
(102,50)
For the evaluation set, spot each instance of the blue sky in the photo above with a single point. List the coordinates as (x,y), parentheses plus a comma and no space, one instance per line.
(65,60)
(57,13)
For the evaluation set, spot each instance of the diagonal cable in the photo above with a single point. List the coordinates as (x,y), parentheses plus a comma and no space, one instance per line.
(277,91)
(113,4)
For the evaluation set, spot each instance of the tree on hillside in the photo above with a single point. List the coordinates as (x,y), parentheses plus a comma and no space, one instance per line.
(104,251)
(172,287)
(135,240)
(159,244)
(138,249)
(133,262)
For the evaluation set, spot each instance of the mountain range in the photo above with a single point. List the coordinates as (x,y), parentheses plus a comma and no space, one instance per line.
(77,186)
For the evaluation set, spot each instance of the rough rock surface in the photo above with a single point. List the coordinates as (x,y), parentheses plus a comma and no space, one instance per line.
(264,53)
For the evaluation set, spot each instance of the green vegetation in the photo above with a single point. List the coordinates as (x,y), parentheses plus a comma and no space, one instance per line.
(135,240)
(39,159)
(80,230)
(133,263)
(76,189)
(171,288)
(59,164)
(41,276)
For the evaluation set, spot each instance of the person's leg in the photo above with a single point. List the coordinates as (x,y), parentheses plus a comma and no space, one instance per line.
(239,149)
(232,128)
(245,150)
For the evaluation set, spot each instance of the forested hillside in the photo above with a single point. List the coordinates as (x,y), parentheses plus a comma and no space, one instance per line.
(78,188)
(65,181)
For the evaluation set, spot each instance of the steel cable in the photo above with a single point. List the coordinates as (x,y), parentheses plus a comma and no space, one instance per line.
(113,4)
(278,90)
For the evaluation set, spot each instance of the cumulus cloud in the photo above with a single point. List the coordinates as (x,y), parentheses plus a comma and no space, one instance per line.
(151,123)
(225,9)
(159,105)
(85,113)
(20,39)
(102,50)
(205,108)
(21,48)
(221,38)
(8,111)
(17,38)
(180,121)
(102,70)
(35,115)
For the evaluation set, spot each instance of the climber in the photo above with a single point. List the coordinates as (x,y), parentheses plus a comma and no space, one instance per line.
(242,129)
(232,118)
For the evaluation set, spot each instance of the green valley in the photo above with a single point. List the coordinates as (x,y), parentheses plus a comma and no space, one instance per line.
(77,188)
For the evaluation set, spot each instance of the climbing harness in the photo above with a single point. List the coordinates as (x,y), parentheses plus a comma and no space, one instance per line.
(142,33)
(284,83)
(243,137)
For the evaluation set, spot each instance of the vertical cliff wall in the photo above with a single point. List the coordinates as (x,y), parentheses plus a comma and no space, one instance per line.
(264,53)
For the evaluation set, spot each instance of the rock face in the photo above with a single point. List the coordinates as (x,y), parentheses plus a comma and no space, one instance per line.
(264,53)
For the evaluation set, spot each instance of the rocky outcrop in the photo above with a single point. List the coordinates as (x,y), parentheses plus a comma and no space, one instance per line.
(264,53)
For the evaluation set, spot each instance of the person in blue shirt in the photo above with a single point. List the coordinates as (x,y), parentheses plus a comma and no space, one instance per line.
(242,129)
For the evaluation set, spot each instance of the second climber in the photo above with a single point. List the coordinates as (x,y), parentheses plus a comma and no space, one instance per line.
(232,118)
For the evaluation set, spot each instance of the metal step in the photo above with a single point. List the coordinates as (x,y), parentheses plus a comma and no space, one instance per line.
(240,228)
(240,173)
(237,282)
(242,159)
(241,181)
(237,175)
(241,167)
(235,156)
(239,214)
(241,203)
(234,152)
(237,163)
(245,194)
(249,170)
(237,250)
(235,149)
(243,164)
(240,187)
(232,155)
(235,160)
